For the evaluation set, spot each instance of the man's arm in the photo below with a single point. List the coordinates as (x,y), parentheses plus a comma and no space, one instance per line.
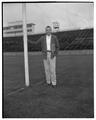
(35,42)
(57,45)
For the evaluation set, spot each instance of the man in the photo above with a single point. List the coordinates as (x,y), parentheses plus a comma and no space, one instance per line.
(50,48)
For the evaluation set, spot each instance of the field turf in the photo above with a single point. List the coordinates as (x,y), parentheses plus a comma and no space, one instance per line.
(72,98)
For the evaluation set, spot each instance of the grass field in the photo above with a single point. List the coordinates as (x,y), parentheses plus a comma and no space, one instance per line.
(72,98)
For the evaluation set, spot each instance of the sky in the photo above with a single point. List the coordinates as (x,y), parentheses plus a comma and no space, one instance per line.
(69,15)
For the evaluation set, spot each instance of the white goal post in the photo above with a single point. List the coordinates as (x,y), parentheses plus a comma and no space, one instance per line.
(25,44)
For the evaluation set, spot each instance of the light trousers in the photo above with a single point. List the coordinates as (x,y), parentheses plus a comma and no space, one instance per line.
(50,69)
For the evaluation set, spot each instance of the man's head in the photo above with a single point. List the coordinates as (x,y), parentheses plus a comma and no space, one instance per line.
(48,30)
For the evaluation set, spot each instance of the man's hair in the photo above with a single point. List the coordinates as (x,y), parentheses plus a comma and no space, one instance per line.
(48,26)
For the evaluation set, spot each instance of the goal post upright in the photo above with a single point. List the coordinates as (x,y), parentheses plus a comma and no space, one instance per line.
(25,44)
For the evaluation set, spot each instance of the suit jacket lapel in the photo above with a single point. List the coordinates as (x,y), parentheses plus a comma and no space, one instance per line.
(51,41)
(45,42)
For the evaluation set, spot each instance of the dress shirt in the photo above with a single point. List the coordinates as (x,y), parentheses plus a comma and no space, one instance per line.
(48,42)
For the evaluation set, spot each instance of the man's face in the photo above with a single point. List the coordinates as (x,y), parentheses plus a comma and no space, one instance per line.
(48,30)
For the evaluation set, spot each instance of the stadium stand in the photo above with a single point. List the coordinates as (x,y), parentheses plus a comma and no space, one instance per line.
(68,40)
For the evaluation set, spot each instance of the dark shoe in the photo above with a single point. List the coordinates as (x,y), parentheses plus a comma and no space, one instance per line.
(54,86)
(48,84)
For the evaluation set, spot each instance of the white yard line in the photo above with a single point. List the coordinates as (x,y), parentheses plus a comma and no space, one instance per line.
(15,91)
(64,52)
